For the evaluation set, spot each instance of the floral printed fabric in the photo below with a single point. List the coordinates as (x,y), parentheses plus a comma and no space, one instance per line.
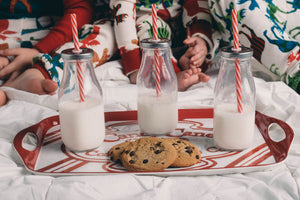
(26,32)
(133,22)
(271,28)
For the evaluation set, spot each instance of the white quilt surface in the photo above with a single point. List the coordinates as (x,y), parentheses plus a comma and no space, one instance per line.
(24,109)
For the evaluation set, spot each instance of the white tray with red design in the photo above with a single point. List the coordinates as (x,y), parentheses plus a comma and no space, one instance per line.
(50,157)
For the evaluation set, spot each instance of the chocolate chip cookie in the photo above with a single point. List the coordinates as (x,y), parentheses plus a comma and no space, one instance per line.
(187,153)
(116,151)
(148,154)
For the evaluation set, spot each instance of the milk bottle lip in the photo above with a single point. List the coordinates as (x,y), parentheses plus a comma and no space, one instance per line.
(70,54)
(242,52)
(151,43)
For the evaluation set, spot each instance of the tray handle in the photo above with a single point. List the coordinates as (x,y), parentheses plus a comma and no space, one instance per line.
(39,130)
(278,149)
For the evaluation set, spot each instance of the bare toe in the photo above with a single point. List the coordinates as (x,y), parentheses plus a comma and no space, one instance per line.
(186,74)
(203,77)
(190,72)
(49,86)
(195,70)
(189,77)
(3,98)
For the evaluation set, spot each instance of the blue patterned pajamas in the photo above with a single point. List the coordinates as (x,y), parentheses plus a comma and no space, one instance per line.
(270,27)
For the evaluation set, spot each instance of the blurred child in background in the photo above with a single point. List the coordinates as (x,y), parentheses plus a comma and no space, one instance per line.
(133,23)
(33,33)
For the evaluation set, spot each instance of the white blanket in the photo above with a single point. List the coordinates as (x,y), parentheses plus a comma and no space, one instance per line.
(24,109)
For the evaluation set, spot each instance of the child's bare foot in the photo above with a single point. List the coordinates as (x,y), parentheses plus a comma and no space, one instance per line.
(189,77)
(31,80)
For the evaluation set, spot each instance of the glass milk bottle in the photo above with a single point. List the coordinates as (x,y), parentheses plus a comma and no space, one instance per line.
(157,89)
(81,121)
(234,129)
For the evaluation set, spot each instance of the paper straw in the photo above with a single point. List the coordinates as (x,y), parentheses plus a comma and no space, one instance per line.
(75,33)
(154,22)
(237,62)
(156,51)
(235,30)
(157,72)
(238,85)
(77,50)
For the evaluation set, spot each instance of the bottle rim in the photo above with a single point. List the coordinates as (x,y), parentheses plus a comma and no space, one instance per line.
(71,54)
(242,52)
(151,43)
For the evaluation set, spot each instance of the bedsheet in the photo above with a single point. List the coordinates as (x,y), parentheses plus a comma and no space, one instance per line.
(24,109)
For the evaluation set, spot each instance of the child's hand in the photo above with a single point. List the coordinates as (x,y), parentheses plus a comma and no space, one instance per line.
(3,62)
(196,53)
(23,58)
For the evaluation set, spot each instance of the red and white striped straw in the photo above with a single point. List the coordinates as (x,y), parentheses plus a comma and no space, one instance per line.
(77,50)
(157,72)
(238,85)
(237,62)
(75,32)
(154,22)
(235,30)
(80,81)
(156,51)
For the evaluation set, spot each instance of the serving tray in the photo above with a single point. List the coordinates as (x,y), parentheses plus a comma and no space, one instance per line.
(51,157)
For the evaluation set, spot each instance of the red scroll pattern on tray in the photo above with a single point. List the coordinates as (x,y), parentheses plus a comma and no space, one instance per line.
(195,125)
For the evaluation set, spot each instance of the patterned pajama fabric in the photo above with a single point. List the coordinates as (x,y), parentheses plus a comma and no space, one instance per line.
(133,23)
(26,32)
(270,27)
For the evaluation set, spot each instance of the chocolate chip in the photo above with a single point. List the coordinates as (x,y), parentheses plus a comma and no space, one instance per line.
(157,151)
(145,161)
(162,163)
(127,152)
(131,161)
(132,153)
(188,147)
(117,148)
(174,144)
(112,158)
(118,161)
(197,157)
(158,144)
(189,151)
(178,141)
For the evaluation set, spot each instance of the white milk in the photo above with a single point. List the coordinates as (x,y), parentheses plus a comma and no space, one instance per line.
(157,115)
(82,124)
(233,130)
